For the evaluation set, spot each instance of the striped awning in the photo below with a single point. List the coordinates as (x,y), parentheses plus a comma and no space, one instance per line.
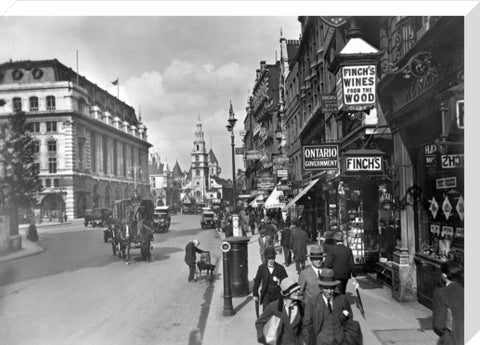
(303,192)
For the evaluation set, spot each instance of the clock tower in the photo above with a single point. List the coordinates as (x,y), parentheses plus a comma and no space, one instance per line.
(199,167)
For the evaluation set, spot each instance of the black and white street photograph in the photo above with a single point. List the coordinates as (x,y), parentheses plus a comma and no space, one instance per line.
(238,172)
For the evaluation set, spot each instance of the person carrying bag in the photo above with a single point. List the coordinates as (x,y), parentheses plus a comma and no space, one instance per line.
(281,322)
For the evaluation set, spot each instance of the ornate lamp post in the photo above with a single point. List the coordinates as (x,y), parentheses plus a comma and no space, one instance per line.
(231,124)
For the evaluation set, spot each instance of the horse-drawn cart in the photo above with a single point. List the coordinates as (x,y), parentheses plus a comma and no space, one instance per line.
(132,228)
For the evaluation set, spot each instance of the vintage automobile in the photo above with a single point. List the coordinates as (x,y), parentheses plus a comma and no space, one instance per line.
(97,217)
(161,219)
(207,220)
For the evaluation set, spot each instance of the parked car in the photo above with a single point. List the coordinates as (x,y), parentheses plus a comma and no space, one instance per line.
(207,220)
(97,217)
(161,219)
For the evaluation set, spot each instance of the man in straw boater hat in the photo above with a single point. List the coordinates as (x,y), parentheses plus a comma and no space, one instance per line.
(268,277)
(290,311)
(340,259)
(327,314)
(308,278)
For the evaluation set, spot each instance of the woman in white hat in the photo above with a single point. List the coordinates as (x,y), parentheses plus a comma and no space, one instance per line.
(289,309)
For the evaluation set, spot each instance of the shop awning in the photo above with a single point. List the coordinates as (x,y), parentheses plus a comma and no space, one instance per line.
(303,192)
(273,200)
(257,201)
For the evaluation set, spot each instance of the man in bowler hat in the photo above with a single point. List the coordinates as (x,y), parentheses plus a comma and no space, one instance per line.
(308,278)
(268,277)
(340,258)
(327,313)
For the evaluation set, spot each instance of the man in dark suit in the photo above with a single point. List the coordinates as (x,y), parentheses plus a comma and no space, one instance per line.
(326,313)
(298,244)
(285,242)
(448,306)
(308,278)
(268,277)
(329,241)
(190,258)
(340,258)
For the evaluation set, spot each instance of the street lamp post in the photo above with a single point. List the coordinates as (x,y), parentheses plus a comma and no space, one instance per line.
(231,124)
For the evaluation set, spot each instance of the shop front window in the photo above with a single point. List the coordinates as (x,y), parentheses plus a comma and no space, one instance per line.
(441,202)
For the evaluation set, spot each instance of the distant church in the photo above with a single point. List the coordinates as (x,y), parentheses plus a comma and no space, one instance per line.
(204,166)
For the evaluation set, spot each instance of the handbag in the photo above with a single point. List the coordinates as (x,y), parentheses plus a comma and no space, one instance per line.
(271,330)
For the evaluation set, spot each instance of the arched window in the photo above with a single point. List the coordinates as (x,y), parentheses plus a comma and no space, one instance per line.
(50,102)
(33,103)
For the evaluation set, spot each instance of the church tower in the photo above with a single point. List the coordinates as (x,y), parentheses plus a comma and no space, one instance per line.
(199,167)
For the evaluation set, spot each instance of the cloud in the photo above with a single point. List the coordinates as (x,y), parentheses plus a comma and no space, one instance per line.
(171,101)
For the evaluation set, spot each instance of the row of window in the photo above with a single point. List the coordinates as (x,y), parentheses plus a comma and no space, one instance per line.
(51,144)
(33,103)
(34,127)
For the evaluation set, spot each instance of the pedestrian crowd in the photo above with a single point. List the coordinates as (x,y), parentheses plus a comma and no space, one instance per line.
(314,309)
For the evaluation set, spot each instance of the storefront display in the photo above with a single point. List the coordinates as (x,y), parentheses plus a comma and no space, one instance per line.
(441,226)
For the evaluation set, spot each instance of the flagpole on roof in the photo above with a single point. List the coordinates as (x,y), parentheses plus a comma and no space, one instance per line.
(77,66)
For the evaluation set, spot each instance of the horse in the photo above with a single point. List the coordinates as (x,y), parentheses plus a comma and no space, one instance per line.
(133,230)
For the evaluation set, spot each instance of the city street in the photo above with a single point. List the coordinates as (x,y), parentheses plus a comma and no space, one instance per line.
(77,292)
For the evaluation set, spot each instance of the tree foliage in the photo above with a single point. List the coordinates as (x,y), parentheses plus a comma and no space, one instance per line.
(19,181)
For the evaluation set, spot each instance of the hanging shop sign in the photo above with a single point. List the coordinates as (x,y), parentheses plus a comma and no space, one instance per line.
(452,161)
(368,163)
(459,232)
(320,157)
(282,173)
(253,155)
(329,103)
(239,151)
(356,87)
(446,182)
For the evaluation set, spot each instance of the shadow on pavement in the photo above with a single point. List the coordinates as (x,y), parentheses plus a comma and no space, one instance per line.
(243,304)
(163,253)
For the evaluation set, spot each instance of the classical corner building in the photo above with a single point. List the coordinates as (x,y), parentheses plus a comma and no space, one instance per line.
(91,147)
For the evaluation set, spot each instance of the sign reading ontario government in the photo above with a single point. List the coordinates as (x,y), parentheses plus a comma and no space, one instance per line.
(320,157)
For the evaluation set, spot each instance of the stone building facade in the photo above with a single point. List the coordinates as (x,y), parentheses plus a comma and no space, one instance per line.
(92,149)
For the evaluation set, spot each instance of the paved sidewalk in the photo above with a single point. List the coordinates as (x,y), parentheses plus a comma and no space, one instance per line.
(386,321)
(31,248)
